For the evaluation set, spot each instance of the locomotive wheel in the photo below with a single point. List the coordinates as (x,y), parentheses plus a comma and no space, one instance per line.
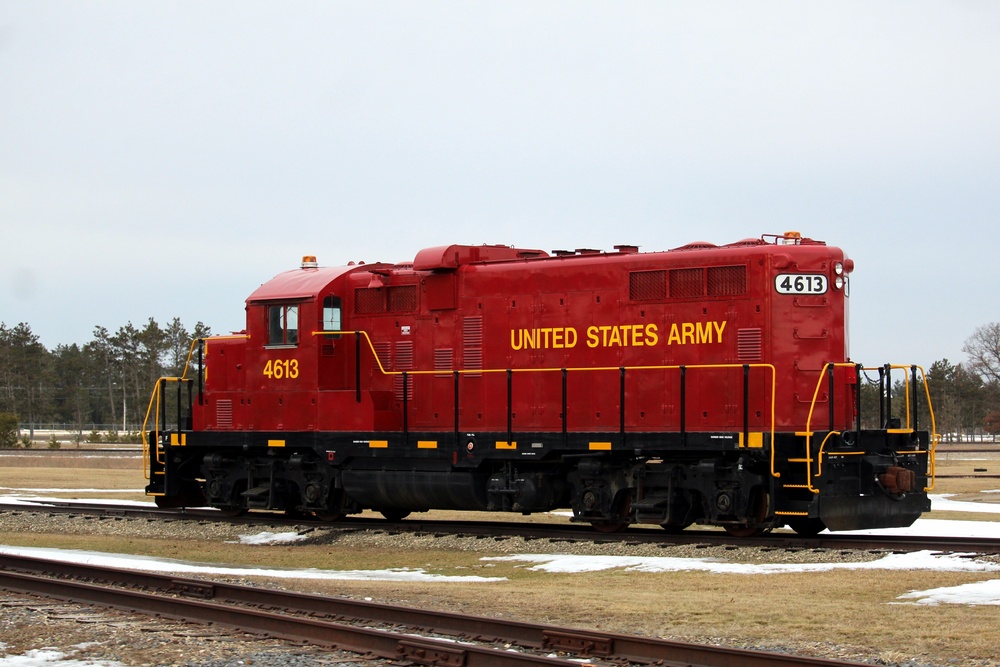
(394,515)
(232,512)
(618,521)
(807,527)
(755,526)
(609,526)
(328,517)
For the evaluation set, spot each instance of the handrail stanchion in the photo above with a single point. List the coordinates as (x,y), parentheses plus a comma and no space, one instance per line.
(858,370)
(683,378)
(510,404)
(621,403)
(830,400)
(201,371)
(457,432)
(746,405)
(565,406)
(881,397)
(357,366)
(406,411)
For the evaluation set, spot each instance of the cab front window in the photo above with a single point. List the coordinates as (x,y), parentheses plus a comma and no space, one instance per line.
(283,324)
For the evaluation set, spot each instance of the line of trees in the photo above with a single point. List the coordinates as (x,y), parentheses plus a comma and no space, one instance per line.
(107,381)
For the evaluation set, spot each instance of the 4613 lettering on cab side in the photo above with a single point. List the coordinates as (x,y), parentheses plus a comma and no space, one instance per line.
(276,369)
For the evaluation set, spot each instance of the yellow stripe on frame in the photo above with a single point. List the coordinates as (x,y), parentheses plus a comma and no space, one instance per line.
(506,445)
(754,441)
(427,444)
(378,444)
(275,443)
(178,439)
(600,446)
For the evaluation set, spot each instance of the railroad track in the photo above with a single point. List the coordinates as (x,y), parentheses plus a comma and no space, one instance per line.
(386,631)
(532,531)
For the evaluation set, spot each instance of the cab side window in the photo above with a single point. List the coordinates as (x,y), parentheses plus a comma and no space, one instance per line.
(331,313)
(283,324)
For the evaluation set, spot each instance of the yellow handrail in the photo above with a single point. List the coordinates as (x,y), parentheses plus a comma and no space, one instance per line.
(154,399)
(935,437)
(480,371)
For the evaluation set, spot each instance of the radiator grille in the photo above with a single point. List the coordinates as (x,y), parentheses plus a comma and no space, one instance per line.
(727,280)
(647,285)
(369,300)
(401,299)
(687,283)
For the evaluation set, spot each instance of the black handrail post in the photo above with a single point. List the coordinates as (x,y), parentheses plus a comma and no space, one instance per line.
(881,397)
(357,366)
(858,370)
(510,405)
(179,424)
(190,386)
(621,402)
(163,408)
(457,432)
(746,405)
(916,395)
(683,378)
(406,423)
(201,371)
(565,406)
(832,388)
(888,394)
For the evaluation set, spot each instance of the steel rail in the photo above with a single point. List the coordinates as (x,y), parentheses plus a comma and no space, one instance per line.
(555,532)
(243,607)
(534,531)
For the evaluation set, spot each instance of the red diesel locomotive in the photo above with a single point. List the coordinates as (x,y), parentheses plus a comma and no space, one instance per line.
(705,384)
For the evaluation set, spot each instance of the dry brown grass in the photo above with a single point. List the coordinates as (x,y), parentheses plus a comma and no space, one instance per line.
(852,608)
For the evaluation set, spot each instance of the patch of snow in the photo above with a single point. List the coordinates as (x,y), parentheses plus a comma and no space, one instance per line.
(50,658)
(273,538)
(149,564)
(978,593)
(919,560)
(944,503)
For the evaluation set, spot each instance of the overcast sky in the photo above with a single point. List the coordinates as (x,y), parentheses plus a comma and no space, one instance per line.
(163,159)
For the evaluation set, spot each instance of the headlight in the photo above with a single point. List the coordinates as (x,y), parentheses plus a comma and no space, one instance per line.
(838,268)
(839,282)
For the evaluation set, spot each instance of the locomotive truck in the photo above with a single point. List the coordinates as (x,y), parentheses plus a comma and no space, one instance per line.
(700,385)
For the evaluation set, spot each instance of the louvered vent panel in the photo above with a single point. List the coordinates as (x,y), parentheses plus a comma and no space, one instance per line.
(647,285)
(384,353)
(687,283)
(444,360)
(748,344)
(224,413)
(369,300)
(472,344)
(727,280)
(404,362)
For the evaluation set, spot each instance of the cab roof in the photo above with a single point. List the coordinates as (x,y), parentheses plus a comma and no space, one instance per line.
(299,284)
